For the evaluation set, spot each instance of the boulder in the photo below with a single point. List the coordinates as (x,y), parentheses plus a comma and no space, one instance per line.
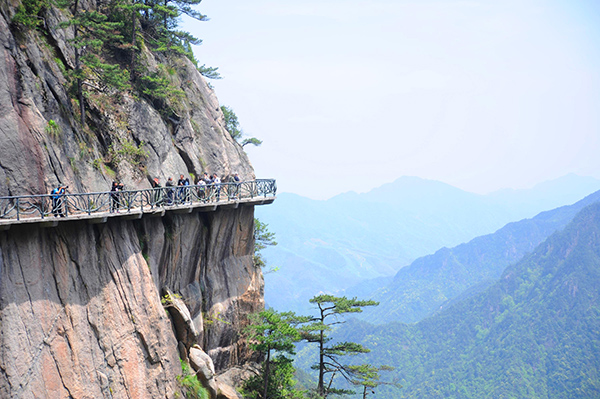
(185,330)
(227,392)
(205,370)
(235,376)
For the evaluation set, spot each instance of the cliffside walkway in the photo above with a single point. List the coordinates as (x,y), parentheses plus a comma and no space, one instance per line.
(48,210)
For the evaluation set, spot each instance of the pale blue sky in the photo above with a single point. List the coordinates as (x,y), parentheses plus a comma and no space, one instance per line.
(348,95)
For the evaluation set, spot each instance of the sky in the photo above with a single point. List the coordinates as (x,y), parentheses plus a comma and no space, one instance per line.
(349,94)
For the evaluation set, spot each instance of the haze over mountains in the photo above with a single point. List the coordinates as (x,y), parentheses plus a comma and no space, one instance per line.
(332,245)
(431,281)
(534,333)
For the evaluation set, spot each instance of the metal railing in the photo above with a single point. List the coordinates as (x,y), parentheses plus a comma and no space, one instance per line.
(147,200)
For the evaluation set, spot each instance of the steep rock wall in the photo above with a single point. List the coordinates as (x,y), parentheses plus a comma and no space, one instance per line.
(81,316)
(80,306)
(80,309)
(34,91)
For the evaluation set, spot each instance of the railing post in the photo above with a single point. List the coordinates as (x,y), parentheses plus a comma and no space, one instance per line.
(89,204)
(18,209)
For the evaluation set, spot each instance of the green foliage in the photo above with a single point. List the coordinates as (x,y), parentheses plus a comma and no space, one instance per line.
(168,299)
(281,384)
(29,13)
(368,377)
(97,163)
(262,239)
(158,86)
(232,125)
(252,140)
(189,383)
(127,150)
(95,36)
(52,128)
(532,334)
(209,72)
(109,75)
(330,364)
(271,331)
(111,41)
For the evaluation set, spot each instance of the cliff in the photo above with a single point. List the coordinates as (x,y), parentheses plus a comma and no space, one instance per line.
(80,304)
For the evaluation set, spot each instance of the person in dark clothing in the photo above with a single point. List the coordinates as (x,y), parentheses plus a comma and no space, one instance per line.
(179,197)
(58,200)
(209,185)
(236,187)
(157,193)
(170,190)
(182,191)
(186,184)
(115,197)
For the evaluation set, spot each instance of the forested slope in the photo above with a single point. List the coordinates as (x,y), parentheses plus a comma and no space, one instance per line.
(533,334)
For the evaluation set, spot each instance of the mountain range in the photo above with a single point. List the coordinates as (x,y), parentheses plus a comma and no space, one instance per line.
(329,246)
(430,281)
(533,333)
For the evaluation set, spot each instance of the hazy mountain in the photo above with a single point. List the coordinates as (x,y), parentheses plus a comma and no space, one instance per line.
(334,244)
(533,334)
(424,286)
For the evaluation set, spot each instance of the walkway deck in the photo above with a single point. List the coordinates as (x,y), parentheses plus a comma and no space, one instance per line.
(49,210)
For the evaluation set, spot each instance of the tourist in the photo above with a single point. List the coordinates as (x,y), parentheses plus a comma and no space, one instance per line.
(170,190)
(157,197)
(217,184)
(201,189)
(58,200)
(115,197)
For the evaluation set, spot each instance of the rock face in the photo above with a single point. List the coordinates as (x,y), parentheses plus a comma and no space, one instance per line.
(33,91)
(80,304)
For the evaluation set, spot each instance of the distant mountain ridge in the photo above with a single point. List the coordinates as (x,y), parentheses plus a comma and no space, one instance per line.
(332,245)
(532,334)
(423,287)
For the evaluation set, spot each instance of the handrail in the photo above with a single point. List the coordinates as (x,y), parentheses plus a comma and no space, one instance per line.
(146,200)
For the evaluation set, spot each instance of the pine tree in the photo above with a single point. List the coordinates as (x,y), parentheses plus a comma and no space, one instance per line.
(331,309)
(273,334)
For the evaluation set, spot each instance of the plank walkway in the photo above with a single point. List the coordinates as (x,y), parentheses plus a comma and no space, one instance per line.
(96,208)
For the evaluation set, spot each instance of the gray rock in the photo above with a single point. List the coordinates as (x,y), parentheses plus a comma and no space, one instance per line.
(227,392)
(185,331)
(235,376)
(80,311)
(205,370)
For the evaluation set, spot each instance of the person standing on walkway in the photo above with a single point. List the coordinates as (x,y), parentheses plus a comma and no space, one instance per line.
(170,188)
(58,200)
(236,191)
(115,196)
(217,183)
(157,192)
(201,189)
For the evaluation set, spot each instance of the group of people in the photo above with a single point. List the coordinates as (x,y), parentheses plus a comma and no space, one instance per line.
(208,186)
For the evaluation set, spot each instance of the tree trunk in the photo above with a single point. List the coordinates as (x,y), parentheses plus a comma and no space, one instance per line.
(321,365)
(267,371)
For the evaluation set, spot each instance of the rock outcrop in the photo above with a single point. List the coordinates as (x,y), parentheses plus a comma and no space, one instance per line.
(80,304)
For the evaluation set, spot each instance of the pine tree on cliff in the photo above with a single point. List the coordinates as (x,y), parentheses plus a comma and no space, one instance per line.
(274,334)
(331,309)
(232,124)
(92,31)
